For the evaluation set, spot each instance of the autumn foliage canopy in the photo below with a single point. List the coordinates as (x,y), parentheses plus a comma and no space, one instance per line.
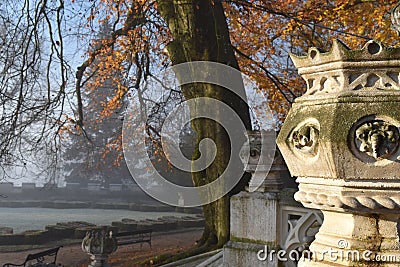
(262,34)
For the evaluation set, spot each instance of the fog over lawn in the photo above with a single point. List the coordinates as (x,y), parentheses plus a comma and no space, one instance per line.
(22,219)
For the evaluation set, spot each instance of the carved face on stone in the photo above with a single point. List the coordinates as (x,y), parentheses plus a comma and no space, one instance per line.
(305,138)
(377,139)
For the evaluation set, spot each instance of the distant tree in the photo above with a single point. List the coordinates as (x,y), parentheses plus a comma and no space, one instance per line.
(95,155)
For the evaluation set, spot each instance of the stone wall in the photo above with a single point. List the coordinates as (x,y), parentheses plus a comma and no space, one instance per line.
(77,230)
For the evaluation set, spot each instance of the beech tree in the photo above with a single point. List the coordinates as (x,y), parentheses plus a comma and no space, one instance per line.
(254,36)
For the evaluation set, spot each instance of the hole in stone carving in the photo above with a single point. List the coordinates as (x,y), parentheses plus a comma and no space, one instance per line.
(394,76)
(374,48)
(322,83)
(371,80)
(358,87)
(310,83)
(353,77)
(336,78)
(294,217)
(388,85)
(313,54)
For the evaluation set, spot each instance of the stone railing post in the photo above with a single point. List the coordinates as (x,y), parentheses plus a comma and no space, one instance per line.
(99,244)
(341,139)
(254,212)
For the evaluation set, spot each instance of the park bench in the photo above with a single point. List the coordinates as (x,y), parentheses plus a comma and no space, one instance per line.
(45,258)
(134,237)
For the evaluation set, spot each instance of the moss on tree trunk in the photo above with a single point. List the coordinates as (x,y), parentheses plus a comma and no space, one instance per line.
(200,33)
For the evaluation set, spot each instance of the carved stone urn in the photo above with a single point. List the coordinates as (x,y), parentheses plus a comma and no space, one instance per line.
(99,244)
(341,139)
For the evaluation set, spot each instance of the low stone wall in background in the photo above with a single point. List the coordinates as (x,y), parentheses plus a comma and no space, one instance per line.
(77,230)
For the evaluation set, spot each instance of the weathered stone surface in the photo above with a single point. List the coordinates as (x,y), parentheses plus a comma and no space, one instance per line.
(245,254)
(342,141)
(254,217)
(340,121)
(323,124)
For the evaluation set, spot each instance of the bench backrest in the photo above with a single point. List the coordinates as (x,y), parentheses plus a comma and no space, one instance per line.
(133,237)
(148,231)
(40,256)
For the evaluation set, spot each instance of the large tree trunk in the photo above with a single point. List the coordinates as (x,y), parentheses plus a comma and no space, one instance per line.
(200,33)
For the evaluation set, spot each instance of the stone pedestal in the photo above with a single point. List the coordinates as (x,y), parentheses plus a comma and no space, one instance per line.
(99,260)
(254,219)
(341,139)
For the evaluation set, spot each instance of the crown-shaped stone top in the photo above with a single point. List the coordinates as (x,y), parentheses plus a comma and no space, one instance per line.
(372,51)
(374,67)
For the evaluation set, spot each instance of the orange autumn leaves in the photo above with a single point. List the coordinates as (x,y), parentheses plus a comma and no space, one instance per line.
(266,31)
(263,32)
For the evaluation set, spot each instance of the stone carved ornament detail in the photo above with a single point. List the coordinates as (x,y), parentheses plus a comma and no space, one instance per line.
(349,202)
(258,145)
(99,242)
(377,139)
(379,80)
(255,146)
(305,138)
(252,148)
(323,84)
(302,232)
(337,70)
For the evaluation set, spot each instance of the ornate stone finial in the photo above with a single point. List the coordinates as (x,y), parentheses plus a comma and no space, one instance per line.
(342,70)
(342,142)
